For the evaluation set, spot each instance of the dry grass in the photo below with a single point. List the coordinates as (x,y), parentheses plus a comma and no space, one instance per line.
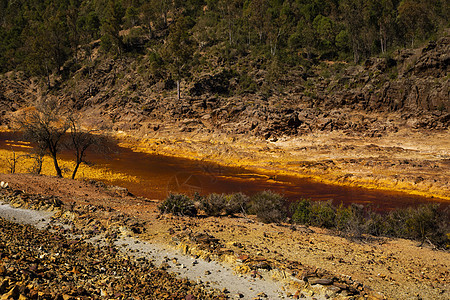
(25,164)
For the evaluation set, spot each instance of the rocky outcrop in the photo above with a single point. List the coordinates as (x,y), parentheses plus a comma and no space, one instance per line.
(212,84)
(43,265)
(299,276)
(412,83)
(15,92)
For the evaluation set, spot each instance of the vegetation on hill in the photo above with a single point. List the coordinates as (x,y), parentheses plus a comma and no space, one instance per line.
(174,39)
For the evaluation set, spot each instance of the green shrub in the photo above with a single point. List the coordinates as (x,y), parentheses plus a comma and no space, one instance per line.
(423,223)
(426,223)
(301,212)
(343,216)
(322,214)
(319,213)
(395,224)
(268,207)
(180,205)
(213,204)
(197,198)
(375,224)
(351,219)
(236,203)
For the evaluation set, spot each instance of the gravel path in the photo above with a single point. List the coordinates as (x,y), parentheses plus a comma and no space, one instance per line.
(41,264)
(37,218)
(211,274)
(214,273)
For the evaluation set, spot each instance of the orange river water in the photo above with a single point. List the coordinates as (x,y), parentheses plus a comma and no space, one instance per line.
(160,175)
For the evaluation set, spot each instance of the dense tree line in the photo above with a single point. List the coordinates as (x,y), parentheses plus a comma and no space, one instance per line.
(41,37)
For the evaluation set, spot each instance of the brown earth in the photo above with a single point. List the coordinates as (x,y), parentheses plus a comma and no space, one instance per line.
(400,269)
(44,264)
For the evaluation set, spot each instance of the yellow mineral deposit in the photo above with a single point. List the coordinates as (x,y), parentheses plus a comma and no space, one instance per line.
(274,160)
(25,164)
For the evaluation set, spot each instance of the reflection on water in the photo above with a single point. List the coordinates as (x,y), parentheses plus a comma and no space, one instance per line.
(160,175)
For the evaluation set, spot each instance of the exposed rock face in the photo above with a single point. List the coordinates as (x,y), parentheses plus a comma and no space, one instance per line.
(15,92)
(414,83)
(212,84)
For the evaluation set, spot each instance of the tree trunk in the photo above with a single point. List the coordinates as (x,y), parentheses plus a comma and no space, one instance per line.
(57,168)
(39,166)
(383,39)
(74,173)
(12,163)
(230,32)
(178,90)
(48,77)
(355,53)
(308,53)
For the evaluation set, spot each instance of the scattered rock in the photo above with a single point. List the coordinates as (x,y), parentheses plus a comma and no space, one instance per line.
(322,281)
(61,265)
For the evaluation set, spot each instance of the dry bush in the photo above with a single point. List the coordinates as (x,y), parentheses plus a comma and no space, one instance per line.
(180,205)
(426,223)
(268,207)
(236,203)
(213,204)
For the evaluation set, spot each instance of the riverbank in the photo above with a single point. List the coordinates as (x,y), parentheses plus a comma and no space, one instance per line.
(195,277)
(155,176)
(18,154)
(400,269)
(409,161)
(102,227)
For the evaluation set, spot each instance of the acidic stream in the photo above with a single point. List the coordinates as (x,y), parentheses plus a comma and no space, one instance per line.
(160,175)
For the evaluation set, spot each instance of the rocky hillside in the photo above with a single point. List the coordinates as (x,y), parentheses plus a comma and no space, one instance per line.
(119,94)
(412,81)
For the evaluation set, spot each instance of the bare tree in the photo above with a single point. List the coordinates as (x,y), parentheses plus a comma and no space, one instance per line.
(46,125)
(80,140)
(37,156)
(12,162)
(51,127)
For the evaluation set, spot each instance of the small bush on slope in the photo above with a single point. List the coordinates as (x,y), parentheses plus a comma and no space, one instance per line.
(268,207)
(180,205)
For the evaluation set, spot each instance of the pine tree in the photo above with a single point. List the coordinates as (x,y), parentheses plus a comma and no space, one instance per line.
(179,50)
